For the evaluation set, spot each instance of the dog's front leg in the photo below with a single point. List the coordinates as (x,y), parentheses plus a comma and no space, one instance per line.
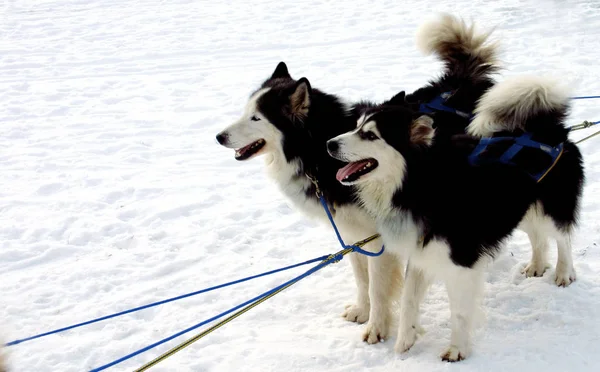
(417,282)
(465,288)
(385,284)
(359,312)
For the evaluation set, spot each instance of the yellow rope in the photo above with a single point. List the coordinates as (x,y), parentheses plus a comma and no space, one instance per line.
(200,335)
(561,151)
(588,137)
(553,164)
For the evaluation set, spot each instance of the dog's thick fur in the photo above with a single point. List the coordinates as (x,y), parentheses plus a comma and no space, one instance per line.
(294,122)
(450,218)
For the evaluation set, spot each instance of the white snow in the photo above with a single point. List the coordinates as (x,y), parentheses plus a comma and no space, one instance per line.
(114,192)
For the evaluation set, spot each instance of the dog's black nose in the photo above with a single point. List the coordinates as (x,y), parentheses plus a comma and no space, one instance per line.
(332,146)
(222,138)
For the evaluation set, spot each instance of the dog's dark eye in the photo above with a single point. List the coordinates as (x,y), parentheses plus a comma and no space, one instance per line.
(369,136)
(255,118)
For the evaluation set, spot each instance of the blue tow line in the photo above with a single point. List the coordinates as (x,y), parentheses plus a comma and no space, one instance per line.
(59,330)
(586,97)
(180,333)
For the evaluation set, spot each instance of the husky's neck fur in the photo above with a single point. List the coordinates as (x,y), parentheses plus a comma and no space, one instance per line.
(376,196)
(289,174)
(304,151)
(290,162)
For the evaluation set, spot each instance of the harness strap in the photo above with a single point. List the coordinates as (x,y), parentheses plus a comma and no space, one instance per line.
(521,141)
(356,247)
(437,104)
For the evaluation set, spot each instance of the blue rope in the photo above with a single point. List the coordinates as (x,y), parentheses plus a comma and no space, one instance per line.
(586,97)
(337,233)
(328,260)
(15,342)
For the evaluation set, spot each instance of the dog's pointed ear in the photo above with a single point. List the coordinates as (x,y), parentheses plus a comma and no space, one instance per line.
(422,131)
(281,71)
(300,99)
(398,99)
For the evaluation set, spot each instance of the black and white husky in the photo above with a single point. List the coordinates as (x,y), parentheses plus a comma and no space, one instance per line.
(289,122)
(449,217)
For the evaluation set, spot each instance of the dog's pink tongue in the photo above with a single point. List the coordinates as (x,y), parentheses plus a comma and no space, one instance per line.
(349,169)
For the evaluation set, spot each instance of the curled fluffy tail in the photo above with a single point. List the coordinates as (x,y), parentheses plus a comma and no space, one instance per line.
(465,52)
(528,103)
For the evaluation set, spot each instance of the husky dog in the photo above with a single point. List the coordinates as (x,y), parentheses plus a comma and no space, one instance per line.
(471,60)
(290,122)
(449,217)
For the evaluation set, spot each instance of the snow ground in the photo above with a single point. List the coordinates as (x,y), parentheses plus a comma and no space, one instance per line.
(114,193)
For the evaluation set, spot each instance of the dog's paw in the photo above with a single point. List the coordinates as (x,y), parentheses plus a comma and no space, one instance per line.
(453,354)
(535,268)
(407,338)
(375,332)
(358,314)
(565,275)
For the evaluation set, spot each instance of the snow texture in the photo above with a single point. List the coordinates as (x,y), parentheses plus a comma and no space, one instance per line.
(114,192)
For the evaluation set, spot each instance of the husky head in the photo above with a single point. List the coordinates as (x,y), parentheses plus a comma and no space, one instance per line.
(378,149)
(280,104)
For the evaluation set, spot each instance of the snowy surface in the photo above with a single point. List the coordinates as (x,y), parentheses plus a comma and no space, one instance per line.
(114,193)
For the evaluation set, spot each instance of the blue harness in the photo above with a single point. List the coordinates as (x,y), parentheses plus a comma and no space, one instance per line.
(520,142)
(438,104)
(524,140)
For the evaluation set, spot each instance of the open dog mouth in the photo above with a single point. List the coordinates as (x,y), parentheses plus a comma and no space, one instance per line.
(353,171)
(247,151)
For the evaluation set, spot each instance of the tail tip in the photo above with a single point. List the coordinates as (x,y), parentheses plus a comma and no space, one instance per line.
(448,32)
(430,33)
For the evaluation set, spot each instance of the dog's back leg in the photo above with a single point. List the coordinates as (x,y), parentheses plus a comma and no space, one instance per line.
(533,225)
(565,272)
(540,226)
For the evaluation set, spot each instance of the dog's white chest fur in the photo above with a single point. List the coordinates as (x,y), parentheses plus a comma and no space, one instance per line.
(352,220)
(292,185)
(400,234)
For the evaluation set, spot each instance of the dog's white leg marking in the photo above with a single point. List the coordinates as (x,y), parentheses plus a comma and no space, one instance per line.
(465,288)
(535,225)
(359,312)
(565,272)
(385,282)
(539,255)
(413,292)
